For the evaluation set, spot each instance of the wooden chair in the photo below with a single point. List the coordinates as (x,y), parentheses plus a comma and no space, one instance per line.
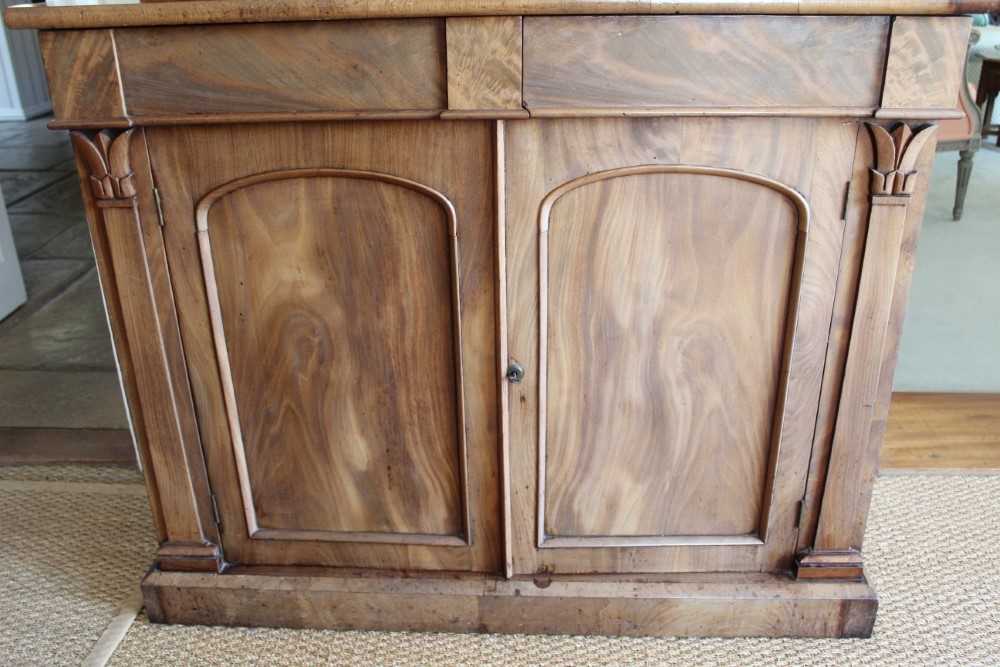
(963,135)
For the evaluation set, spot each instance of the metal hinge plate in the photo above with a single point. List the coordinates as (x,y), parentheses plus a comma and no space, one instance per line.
(215,512)
(159,206)
(847,202)
(800,511)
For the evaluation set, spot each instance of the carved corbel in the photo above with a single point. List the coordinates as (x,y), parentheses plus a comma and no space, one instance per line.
(836,552)
(109,170)
(896,156)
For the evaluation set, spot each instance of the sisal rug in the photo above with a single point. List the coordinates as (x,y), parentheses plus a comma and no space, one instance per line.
(73,551)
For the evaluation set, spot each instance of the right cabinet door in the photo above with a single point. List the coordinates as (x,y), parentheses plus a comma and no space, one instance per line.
(670,284)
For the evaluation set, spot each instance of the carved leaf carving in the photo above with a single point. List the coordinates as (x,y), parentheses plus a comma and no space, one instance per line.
(896,156)
(106,157)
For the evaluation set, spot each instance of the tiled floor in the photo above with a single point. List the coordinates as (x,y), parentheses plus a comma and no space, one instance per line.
(57,369)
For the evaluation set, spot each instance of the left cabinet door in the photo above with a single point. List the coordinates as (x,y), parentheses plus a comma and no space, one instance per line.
(335,284)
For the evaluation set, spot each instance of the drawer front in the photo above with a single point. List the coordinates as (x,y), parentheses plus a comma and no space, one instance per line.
(753,62)
(288,67)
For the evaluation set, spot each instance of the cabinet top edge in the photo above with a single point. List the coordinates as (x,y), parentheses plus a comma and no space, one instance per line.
(193,12)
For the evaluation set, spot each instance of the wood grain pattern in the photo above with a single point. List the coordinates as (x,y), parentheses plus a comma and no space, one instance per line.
(254,11)
(633,61)
(316,332)
(83,74)
(484,63)
(544,154)
(626,255)
(942,431)
(375,65)
(194,161)
(346,427)
(925,63)
(746,606)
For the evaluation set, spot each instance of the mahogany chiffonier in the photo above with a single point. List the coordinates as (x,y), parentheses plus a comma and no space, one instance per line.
(554,316)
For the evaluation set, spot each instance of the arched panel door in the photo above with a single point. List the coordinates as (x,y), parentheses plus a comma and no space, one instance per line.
(335,318)
(667,304)
(665,419)
(339,326)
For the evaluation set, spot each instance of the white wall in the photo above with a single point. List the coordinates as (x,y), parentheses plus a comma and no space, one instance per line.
(23,91)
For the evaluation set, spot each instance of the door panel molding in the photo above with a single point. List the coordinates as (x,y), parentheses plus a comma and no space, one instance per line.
(254,528)
(802,220)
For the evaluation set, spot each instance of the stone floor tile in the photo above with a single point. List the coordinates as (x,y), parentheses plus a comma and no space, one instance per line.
(32,231)
(73,243)
(44,279)
(61,197)
(58,399)
(30,158)
(42,276)
(68,332)
(17,185)
(32,133)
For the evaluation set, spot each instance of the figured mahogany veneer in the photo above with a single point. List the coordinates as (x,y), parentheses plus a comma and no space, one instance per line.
(564,316)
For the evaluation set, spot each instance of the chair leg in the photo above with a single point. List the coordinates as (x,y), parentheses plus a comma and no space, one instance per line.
(988,115)
(964,172)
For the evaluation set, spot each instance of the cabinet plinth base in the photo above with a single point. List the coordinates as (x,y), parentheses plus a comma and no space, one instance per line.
(692,605)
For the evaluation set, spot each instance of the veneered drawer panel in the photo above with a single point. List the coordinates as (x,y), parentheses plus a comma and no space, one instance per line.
(83,80)
(925,63)
(287,67)
(578,62)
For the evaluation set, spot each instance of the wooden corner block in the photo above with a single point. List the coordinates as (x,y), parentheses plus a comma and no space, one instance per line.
(484,63)
(924,65)
(189,557)
(830,565)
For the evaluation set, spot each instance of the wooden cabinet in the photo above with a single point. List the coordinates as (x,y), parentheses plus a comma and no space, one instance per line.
(520,323)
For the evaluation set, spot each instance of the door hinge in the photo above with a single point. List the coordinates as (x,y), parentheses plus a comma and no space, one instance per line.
(159,206)
(846,203)
(215,512)
(800,511)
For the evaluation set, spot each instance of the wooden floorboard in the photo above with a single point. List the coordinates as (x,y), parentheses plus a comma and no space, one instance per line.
(19,446)
(933,430)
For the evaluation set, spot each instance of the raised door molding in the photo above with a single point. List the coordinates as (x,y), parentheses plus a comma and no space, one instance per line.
(605,318)
(347,475)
